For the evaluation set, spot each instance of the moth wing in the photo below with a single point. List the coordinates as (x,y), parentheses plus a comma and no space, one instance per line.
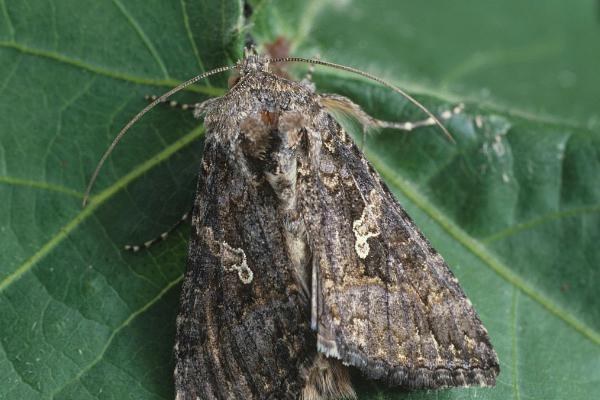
(383,299)
(242,330)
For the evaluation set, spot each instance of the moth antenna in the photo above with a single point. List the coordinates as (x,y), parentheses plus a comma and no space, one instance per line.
(135,119)
(372,77)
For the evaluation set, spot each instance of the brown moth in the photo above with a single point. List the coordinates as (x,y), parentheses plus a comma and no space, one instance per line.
(302,264)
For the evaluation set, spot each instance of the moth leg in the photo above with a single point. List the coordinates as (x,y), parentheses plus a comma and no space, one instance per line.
(307,80)
(199,109)
(340,103)
(172,103)
(163,236)
(410,125)
(309,73)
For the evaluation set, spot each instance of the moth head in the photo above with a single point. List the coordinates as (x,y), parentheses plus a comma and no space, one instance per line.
(252,62)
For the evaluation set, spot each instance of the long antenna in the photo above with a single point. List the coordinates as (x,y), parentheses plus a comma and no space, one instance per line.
(135,119)
(372,77)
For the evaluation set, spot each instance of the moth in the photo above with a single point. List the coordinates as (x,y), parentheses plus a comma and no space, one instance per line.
(302,263)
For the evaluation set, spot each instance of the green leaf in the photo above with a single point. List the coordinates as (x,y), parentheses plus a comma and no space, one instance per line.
(513,206)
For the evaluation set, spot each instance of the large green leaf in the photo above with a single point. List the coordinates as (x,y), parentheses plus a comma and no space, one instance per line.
(513,205)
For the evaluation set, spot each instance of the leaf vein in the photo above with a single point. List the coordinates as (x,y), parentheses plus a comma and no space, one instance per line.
(10,74)
(119,251)
(449,97)
(503,234)
(186,23)
(494,58)
(133,378)
(58,129)
(479,250)
(9,23)
(40,185)
(18,373)
(53,19)
(138,29)
(515,355)
(211,91)
(52,297)
(311,11)
(123,325)
(96,202)
(111,118)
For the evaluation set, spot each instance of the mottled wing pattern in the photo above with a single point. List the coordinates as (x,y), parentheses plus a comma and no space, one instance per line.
(243,329)
(384,301)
